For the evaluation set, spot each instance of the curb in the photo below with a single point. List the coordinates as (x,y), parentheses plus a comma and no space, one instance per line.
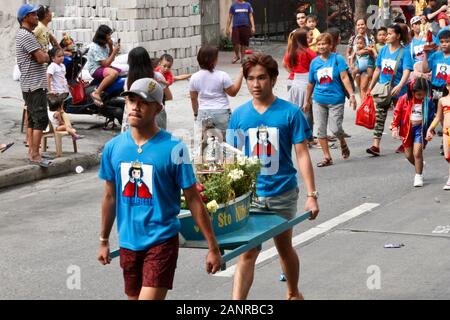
(30,173)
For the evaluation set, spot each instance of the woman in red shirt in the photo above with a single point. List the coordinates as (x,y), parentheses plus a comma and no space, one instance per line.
(297,61)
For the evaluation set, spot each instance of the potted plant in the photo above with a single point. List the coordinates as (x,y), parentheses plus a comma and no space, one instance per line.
(226,193)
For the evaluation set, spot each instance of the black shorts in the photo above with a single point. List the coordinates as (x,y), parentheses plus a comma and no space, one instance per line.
(36,102)
(241,36)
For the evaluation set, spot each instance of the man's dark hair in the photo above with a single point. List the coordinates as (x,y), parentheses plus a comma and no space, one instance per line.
(42,12)
(101,35)
(166,57)
(444,35)
(263,60)
(207,57)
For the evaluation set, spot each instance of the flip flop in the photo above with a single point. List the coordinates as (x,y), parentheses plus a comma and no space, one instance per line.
(98,102)
(9,145)
(44,163)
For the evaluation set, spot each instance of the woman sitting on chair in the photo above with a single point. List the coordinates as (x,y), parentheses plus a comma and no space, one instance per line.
(100,57)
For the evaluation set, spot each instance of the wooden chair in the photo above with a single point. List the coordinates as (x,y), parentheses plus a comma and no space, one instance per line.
(24,118)
(58,135)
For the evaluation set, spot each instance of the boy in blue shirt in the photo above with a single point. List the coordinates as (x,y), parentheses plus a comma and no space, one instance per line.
(438,63)
(241,13)
(267,127)
(145,169)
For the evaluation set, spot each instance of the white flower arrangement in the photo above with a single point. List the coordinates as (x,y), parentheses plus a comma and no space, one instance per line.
(236,174)
(212,206)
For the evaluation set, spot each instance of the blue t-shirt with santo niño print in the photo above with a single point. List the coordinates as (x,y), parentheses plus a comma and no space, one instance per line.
(416,49)
(386,61)
(328,88)
(270,137)
(439,65)
(148,187)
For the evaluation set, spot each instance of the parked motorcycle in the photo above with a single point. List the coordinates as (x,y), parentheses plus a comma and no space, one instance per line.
(113,104)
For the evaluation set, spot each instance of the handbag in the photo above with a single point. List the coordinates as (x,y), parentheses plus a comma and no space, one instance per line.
(365,115)
(77,91)
(381,92)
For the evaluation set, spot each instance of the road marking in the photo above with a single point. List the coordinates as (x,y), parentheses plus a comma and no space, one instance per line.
(309,235)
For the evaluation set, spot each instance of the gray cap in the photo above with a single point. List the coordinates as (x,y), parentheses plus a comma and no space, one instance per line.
(148,89)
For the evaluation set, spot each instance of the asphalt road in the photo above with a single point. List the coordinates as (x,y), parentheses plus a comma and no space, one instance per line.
(49,231)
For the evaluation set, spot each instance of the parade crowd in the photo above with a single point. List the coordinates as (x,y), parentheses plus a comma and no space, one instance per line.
(403,67)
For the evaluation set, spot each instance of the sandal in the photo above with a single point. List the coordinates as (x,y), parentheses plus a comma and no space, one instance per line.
(235,59)
(325,163)
(345,151)
(44,163)
(97,101)
(6,147)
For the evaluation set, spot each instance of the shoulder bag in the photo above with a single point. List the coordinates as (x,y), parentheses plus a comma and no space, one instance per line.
(381,93)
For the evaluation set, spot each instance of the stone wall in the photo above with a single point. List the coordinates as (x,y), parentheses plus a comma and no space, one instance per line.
(160,26)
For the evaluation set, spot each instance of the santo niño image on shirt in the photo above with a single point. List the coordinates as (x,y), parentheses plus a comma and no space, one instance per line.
(325,75)
(419,52)
(442,71)
(388,66)
(263,141)
(137,181)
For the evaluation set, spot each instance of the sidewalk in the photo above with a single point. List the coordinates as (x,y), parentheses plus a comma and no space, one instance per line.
(14,167)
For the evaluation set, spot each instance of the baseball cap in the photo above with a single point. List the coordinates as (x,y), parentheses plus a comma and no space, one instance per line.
(26,9)
(415,19)
(148,89)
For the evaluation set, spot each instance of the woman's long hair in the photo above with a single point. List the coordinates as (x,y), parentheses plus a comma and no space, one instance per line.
(298,44)
(101,35)
(140,65)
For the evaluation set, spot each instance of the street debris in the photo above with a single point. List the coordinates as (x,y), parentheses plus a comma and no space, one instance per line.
(393,245)
(79,169)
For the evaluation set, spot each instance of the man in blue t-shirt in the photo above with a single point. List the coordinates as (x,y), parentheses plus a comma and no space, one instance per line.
(145,170)
(268,127)
(241,13)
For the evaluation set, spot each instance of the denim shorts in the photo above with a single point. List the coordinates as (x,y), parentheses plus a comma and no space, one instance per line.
(417,133)
(284,205)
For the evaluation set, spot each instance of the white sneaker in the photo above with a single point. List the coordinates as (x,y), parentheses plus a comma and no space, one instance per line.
(418,180)
(447,186)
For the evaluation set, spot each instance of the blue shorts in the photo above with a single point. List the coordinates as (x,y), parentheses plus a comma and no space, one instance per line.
(417,133)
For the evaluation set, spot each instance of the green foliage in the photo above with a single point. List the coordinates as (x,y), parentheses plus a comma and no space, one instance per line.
(226,44)
(218,188)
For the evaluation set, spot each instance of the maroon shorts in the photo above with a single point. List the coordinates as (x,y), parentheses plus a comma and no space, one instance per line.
(99,74)
(152,268)
(241,35)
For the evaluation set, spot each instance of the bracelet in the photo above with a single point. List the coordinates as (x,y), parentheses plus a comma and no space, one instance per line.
(103,239)
(434,124)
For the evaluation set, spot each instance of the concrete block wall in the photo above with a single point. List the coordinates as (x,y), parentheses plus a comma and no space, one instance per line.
(160,26)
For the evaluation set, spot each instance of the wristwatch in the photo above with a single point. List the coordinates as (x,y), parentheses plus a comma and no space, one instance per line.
(314,194)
